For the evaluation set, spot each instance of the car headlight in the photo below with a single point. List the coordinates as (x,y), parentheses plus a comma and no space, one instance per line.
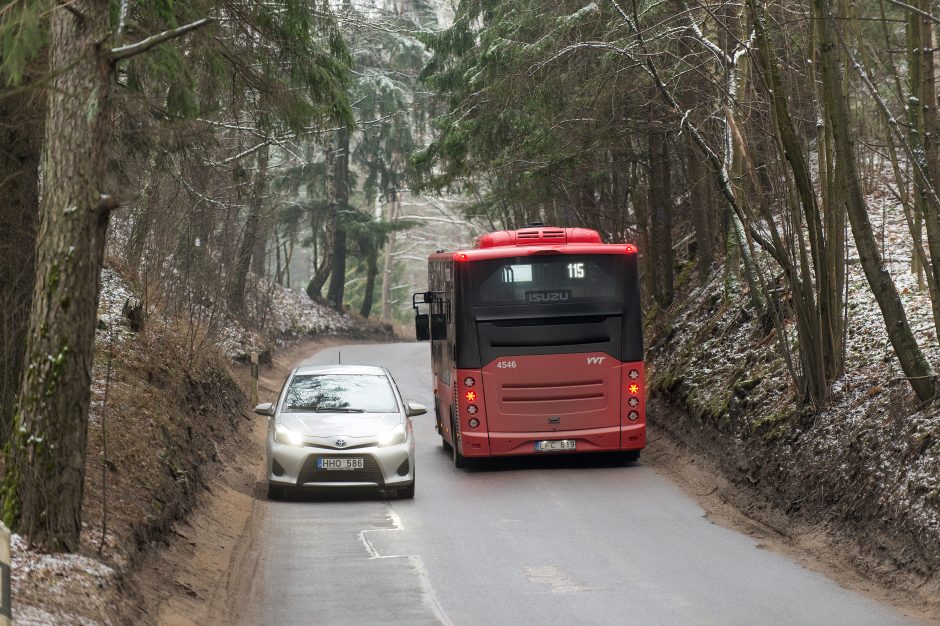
(394,436)
(287,437)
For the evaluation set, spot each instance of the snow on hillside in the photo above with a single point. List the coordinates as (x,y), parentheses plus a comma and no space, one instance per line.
(869,461)
(279,314)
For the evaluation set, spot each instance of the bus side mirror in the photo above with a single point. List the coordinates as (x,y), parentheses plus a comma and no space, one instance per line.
(438,325)
(422,327)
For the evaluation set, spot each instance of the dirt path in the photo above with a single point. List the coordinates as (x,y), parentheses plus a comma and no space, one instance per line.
(203,575)
(730,506)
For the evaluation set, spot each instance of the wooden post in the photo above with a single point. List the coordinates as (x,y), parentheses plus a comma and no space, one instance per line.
(6,598)
(254,379)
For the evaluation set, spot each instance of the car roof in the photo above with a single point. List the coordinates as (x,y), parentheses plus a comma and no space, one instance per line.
(335,368)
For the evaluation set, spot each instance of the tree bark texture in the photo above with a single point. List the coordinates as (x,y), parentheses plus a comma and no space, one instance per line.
(21,125)
(926,147)
(145,216)
(337,287)
(45,470)
(372,272)
(661,214)
(819,312)
(913,362)
(394,208)
(702,208)
(236,294)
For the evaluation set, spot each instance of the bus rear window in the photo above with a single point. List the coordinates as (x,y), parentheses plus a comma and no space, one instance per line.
(546,279)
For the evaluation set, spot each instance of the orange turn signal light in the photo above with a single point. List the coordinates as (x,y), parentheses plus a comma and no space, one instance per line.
(471,396)
(634,388)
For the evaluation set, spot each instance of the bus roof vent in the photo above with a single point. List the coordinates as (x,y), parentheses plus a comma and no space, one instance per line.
(542,236)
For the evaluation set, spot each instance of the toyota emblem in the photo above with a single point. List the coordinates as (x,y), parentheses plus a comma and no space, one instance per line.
(340,443)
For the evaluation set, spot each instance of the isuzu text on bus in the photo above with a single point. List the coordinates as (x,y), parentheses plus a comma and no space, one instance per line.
(537,345)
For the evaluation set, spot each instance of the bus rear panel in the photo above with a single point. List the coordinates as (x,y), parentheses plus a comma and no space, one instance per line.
(537,344)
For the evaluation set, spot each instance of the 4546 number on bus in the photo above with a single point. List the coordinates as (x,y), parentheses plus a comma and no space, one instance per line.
(505,364)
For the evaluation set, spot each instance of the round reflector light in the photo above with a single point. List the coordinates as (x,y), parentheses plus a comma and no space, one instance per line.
(634,401)
(474,422)
(633,416)
(472,409)
(634,374)
(634,388)
(471,396)
(469,382)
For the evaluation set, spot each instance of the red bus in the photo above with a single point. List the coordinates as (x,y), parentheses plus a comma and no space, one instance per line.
(537,345)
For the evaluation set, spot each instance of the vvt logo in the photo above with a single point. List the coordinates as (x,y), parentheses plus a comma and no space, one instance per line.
(595,360)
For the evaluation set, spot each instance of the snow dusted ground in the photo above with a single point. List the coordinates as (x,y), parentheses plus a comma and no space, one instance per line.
(60,579)
(283,314)
(868,465)
(277,314)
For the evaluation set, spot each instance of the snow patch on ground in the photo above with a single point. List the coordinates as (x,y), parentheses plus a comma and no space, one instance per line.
(273,315)
(58,578)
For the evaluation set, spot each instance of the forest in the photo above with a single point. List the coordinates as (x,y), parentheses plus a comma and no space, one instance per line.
(193,147)
(203,148)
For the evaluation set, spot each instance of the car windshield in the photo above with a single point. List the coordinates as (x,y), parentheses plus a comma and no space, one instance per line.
(340,393)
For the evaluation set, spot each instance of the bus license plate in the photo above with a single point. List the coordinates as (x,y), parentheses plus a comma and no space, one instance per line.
(340,464)
(553,446)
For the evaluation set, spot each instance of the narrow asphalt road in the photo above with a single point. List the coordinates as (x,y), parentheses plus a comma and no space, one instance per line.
(537,541)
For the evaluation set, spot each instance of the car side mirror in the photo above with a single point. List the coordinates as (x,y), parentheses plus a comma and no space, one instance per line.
(415,409)
(422,327)
(438,326)
(265,408)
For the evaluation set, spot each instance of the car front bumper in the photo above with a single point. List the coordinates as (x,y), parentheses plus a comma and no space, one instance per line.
(385,467)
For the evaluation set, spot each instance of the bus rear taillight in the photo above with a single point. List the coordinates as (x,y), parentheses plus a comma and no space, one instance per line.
(469,382)
(471,396)
(472,409)
(633,388)
(474,423)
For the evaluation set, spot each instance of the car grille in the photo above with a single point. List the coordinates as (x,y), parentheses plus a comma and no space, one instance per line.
(309,473)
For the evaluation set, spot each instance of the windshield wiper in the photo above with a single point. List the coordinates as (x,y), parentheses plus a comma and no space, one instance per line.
(337,409)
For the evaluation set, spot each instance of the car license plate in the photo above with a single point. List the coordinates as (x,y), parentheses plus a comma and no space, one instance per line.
(554,446)
(340,464)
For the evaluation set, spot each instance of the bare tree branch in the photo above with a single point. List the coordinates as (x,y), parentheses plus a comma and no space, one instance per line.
(913,9)
(131,50)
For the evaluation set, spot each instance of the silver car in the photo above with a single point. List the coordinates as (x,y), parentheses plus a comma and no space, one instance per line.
(340,426)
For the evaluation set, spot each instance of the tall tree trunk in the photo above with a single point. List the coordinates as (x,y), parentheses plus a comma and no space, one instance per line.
(647,257)
(394,207)
(45,467)
(915,124)
(21,124)
(931,155)
(661,186)
(820,346)
(372,272)
(321,260)
(144,219)
(913,362)
(702,209)
(337,286)
(236,294)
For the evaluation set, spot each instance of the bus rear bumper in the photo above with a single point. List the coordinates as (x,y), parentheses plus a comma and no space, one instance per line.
(609,439)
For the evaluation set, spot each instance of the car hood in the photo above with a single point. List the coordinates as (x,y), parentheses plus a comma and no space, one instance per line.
(340,424)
